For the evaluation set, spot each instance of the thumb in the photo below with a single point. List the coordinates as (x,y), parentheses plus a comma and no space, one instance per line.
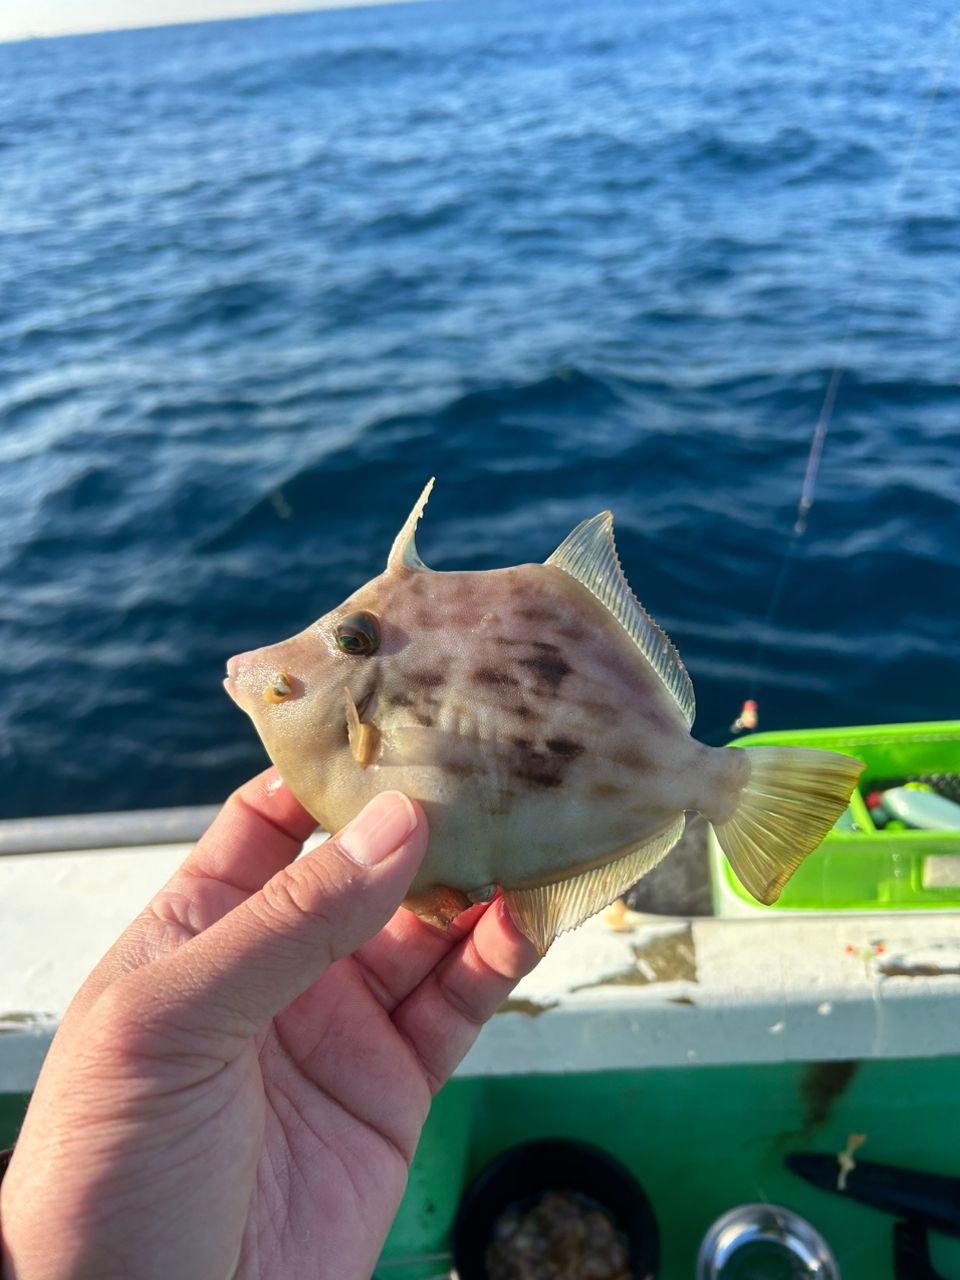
(229,981)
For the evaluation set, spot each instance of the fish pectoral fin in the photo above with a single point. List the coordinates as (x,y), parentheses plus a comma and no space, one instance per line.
(364,739)
(542,914)
(439,905)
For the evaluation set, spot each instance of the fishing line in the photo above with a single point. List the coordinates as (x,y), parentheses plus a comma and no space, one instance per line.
(748,717)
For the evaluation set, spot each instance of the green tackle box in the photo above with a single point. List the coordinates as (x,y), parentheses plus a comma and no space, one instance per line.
(869,869)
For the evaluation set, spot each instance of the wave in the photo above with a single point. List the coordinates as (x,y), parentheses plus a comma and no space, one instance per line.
(262,279)
(923,234)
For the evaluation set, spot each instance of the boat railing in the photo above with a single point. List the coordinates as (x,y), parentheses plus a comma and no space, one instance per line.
(118,830)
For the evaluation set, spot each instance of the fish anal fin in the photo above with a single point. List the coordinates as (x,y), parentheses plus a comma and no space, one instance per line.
(543,913)
(364,739)
(439,905)
(589,554)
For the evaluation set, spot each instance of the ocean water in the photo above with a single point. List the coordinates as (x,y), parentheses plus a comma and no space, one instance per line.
(260,279)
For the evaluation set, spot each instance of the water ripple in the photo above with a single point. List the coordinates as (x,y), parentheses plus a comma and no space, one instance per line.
(261,279)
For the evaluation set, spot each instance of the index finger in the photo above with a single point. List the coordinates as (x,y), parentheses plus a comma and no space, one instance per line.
(260,829)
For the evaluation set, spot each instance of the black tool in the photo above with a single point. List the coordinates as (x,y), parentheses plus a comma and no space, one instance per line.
(930,1199)
(923,1201)
(911,1253)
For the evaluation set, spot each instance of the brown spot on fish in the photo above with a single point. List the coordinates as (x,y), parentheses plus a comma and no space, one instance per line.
(523,712)
(577,634)
(543,645)
(659,719)
(493,676)
(429,679)
(631,758)
(548,669)
(538,768)
(401,700)
(466,618)
(458,768)
(534,613)
(503,801)
(423,718)
(603,712)
(565,747)
(605,790)
(523,743)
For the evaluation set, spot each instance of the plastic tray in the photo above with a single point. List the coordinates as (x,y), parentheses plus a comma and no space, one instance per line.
(868,869)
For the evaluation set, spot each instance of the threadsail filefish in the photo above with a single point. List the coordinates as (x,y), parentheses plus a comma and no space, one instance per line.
(542,719)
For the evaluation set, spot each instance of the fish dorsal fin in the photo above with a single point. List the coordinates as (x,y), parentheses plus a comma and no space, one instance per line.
(589,554)
(544,913)
(403,553)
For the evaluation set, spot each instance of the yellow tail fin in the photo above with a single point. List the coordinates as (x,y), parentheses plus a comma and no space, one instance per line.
(793,798)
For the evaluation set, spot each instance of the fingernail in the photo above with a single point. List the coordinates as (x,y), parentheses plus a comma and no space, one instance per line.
(379,829)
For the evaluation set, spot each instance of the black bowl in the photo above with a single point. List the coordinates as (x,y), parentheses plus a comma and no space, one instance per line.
(521,1175)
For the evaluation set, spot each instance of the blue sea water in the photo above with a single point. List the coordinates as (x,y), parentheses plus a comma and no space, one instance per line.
(260,279)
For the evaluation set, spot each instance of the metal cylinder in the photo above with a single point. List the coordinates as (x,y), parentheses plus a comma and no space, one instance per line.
(764,1242)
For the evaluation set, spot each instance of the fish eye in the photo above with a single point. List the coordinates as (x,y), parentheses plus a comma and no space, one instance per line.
(278,689)
(359,634)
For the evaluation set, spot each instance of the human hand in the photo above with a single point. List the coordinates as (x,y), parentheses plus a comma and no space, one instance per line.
(239,1086)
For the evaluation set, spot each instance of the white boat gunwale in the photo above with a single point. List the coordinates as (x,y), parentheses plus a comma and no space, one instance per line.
(663,992)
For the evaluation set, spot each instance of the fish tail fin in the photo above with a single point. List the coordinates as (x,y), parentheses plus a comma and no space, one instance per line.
(793,797)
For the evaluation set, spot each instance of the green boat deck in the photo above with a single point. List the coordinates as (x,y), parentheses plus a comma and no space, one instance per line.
(699,1140)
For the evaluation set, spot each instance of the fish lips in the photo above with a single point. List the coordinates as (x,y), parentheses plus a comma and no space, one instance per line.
(233,683)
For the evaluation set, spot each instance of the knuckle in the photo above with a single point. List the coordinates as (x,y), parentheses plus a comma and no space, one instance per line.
(121,1022)
(301,893)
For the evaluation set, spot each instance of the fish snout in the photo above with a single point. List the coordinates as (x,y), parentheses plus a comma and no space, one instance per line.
(241,676)
(234,664)
(252,677)
(237,668)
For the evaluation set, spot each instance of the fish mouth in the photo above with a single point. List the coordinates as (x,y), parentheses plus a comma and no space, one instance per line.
(231,680)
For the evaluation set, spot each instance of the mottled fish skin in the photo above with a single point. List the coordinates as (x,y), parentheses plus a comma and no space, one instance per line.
(511,704)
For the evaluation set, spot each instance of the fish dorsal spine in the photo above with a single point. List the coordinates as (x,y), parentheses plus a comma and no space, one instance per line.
(403,553)
(589,554)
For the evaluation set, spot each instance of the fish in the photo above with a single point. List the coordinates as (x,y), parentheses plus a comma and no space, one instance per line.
(543,721)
